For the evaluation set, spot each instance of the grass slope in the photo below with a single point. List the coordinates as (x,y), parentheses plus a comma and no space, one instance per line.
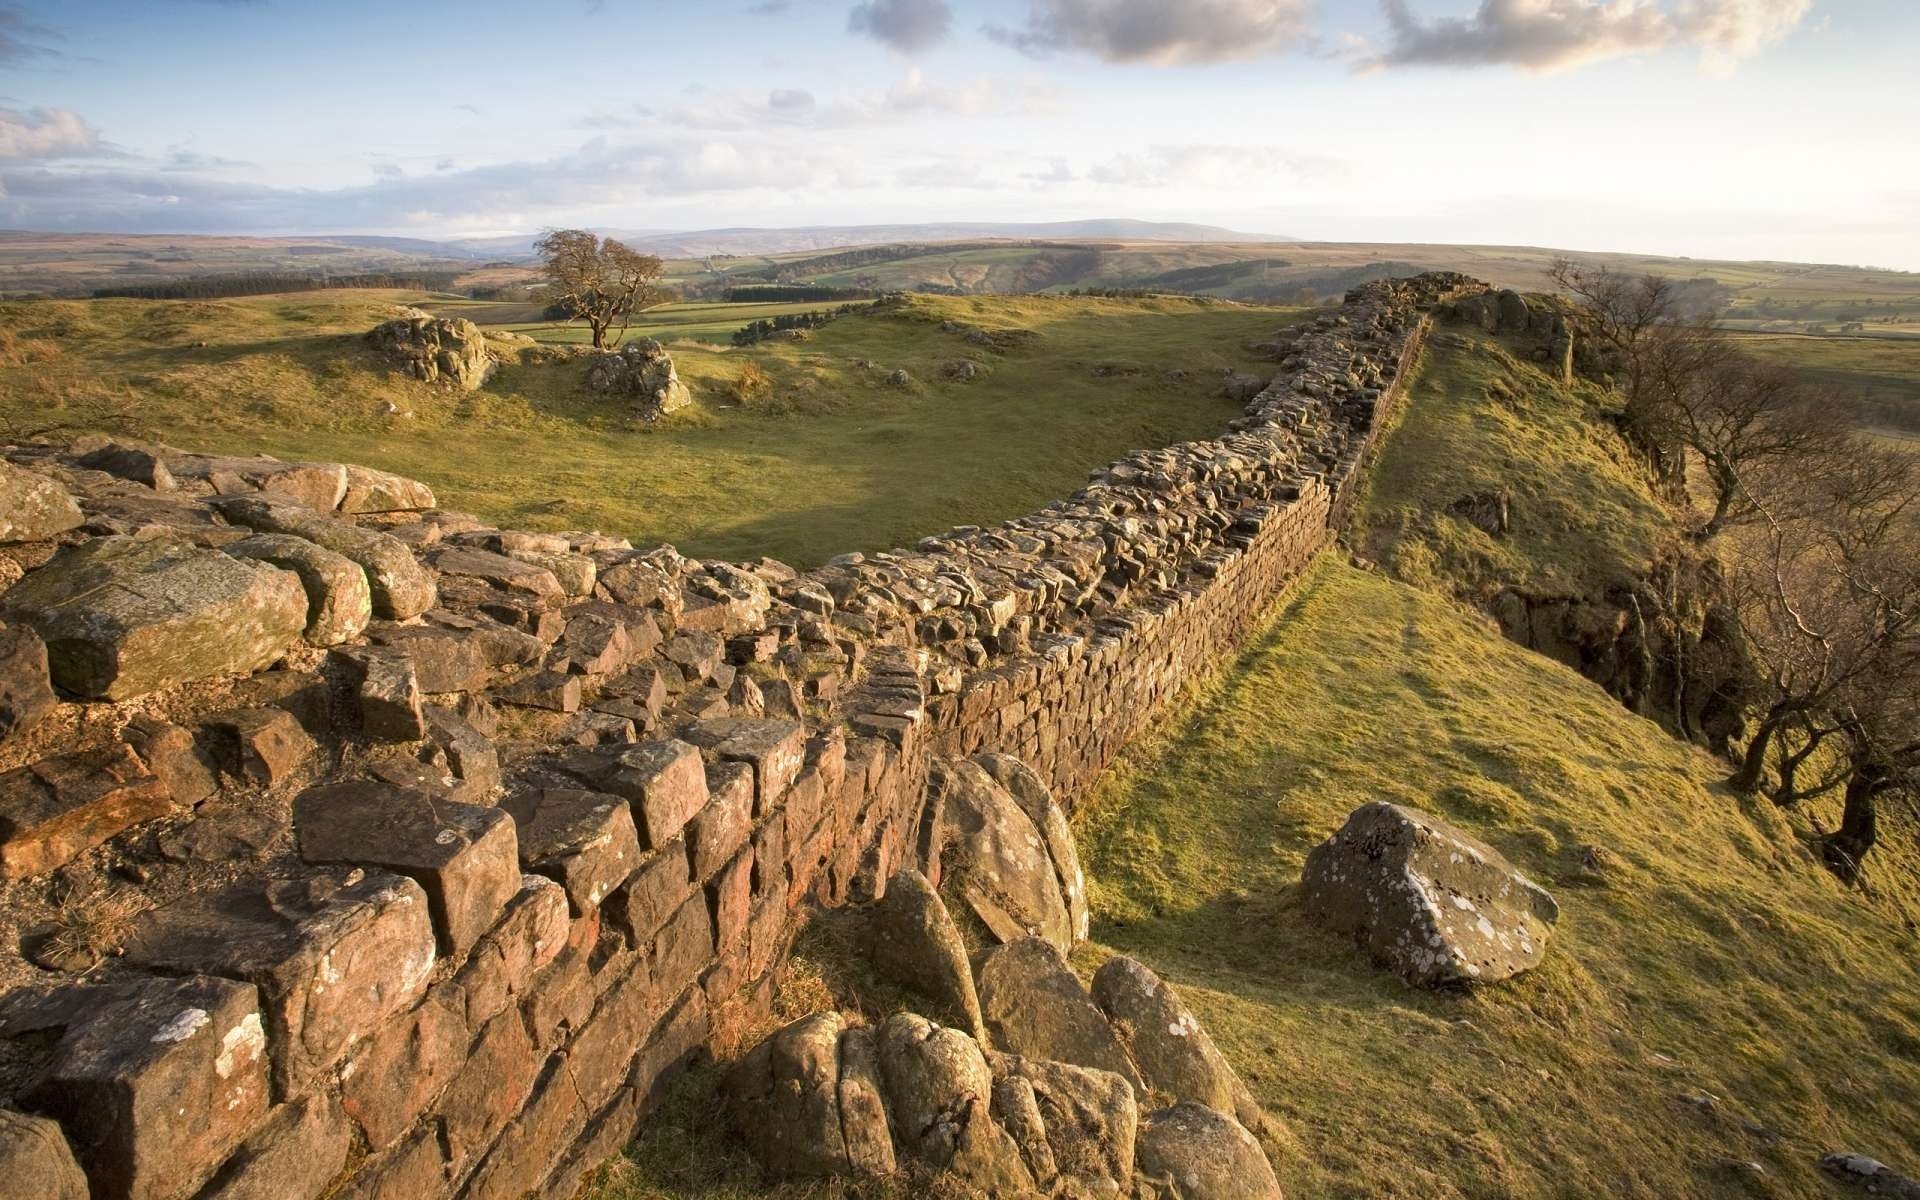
(1480,421)
(826,458)
(1716,977)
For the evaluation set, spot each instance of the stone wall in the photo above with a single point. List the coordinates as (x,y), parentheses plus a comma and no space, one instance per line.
(512,826)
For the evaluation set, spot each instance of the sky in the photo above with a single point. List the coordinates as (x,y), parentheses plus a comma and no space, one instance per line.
(1777,129)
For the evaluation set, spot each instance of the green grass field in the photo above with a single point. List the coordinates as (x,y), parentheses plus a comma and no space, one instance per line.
(824,458)
(1714,978)
(1878,376)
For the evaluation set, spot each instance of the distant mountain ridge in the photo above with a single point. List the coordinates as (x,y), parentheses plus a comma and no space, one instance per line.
(751,240)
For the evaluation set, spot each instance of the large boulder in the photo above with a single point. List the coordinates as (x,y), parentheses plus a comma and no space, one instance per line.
(1035,799)
(339,601)
(1426,900)
(1035,1007)
(1167,1042)
(1192,1152)
(939,1093)
(1086,1122)
(915,941)
(643,371)
(124,616)
(33,507)
(436,349)
(994,856)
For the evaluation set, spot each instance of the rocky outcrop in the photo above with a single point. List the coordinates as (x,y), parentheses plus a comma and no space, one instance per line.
(643,372)
(436,349)
(1167,1044)
(1191,1152)
(913,940)
(1426,900)
(33,508)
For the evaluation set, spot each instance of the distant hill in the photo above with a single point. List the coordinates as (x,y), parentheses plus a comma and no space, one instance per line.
(746,240)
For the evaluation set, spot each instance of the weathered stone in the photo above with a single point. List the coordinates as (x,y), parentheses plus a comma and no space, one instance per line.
(59,808)
(459,746)
(464,856)
(684,945)
(401,587)
(1035,1007)
(317,486)
(585,841)
(1871,1175)
(916,943)
(785,1095)
(141,464)
(389,694)
(1090,1118)
(461,654)
(1166,1041)
(1426,900)
(226,835)
(173,755)
(723,826)
(333,954)
(497,571)
(1191,1152)
(666,782)
(863,1106)
(996,858)
(156,1085)
(339,601)
(125,616)
(776,750)
(390,1078)
(551,690)
(592,645)
(657,887)
(529,935)
(489,1088)
(26,688)
(35,1159)
(33,507)
(1035,799)
(295,1157)
(264,746)
(436,349)
(939,1098)
(371,491)
(643,371)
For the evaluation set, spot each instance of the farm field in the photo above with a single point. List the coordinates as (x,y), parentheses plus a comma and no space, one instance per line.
(814,455)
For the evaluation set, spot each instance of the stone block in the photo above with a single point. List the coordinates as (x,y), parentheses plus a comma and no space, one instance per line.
(390,1077)
(497,571)
(554,691)
(389,692)
(59,808)
(33,508)
(294,1157)
(125,616)
(464,856)
(684,946)
(724,825)
(171,753)
(730,892)
(156,1085)
(666,782)
(488,1089)
(26,687)
(775,749)
(657,887)
(334,955)
(504,965)
(402,588)
(339,600)
(263,746)
(585,841)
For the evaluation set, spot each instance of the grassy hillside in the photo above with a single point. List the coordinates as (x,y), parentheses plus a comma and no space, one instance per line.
(822,457)
(1879,376)
(1480,421)
(1713,997)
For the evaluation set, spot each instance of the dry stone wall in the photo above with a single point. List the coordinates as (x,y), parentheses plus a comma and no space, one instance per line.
(352,847)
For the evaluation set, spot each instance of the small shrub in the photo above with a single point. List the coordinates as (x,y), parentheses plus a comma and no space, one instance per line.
(751,385)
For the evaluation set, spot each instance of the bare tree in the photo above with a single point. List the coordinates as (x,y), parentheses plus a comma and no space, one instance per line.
(1828,597)
(1626,311)
(599,281)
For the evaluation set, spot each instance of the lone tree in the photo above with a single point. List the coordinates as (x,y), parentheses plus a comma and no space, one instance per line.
(599,281)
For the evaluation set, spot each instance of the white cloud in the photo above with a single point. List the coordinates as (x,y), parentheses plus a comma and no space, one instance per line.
(913,96)
(1159,32)
(1553,35)
(1212,166)
(46,133)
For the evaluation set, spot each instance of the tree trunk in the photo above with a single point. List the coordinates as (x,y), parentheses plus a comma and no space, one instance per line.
(1846,847)
(1753,767)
